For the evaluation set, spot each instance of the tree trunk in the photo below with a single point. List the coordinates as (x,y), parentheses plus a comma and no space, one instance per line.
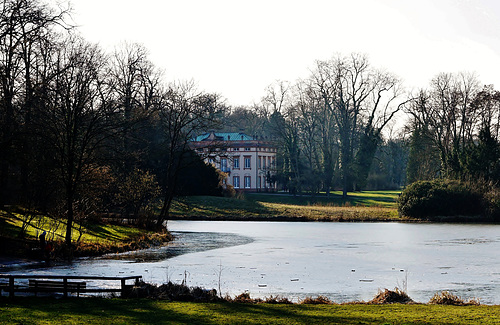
(165,211)
(70,217)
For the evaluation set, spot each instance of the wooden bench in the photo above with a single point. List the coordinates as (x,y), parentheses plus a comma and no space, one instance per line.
(57,286)
(65,283)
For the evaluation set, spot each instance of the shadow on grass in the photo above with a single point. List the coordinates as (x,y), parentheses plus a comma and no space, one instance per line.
(220,206)
(7,229)
(108,233)
(94,311)
(288,314)
(144,311)
(31,310)
(286,207)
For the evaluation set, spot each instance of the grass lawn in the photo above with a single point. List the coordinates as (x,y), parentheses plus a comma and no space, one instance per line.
(96,238)
(142,311)
(359,206)
(11,223)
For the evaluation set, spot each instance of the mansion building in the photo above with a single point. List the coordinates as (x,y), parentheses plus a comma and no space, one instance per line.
(249,162)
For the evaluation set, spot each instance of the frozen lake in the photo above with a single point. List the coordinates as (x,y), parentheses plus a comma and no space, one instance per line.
(343,261)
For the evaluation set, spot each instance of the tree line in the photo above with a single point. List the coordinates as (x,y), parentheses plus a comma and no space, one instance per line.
(83,131)
(337,129)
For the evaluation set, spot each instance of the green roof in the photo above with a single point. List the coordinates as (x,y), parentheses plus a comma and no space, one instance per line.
(224,136)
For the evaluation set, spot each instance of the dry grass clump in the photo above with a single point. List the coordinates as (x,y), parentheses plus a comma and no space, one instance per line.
(320,300)
(447,298)
(173,292)
(387,296)
(277,300)
(245,299)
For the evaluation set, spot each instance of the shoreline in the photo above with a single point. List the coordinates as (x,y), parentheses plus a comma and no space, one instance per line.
(367,219)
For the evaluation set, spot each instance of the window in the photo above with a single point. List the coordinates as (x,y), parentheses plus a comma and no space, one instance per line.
(236,162)
(223,165)
(248,162)
(247,181)
(236,181)
(260,161)
(236,149)
(247,149)
(264,162)
(259,184)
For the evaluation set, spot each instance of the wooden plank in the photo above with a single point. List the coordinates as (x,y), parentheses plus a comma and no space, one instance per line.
(11,286)
(56,286)
(70,277)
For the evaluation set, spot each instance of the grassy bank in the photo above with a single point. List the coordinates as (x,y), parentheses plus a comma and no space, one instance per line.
(144,311)
(359,206)
(89,238)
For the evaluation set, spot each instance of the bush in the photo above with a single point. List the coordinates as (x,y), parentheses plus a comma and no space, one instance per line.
(427,199)
(387,296)
(243,298)
(491,202)
(228,191)
(277,300)
(446,298)
(320,300)
(173,292)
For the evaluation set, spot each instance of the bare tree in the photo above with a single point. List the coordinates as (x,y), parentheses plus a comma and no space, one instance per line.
(319,135)
(360,100)
(460,121)
(137,89)
(284,119)
(449,117)
(183,113)
(26,31)
(77,117)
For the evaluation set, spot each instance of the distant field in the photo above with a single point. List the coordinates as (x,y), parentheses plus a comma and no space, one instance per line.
(386,199)
(144,311)
(359,206)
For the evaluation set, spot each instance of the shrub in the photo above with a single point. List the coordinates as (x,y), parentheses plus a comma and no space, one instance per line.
(446,298)
(395,296)
(320,300)
(173,292)
(245,298)
(229,191)
(425,199)
(491,202)
(277,300)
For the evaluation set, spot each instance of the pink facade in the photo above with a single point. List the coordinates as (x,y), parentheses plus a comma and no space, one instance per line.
(248,162)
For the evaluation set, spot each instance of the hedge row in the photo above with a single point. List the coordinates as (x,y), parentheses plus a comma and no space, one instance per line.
(449,198)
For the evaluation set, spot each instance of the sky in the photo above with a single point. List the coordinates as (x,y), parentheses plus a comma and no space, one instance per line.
(237,48)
